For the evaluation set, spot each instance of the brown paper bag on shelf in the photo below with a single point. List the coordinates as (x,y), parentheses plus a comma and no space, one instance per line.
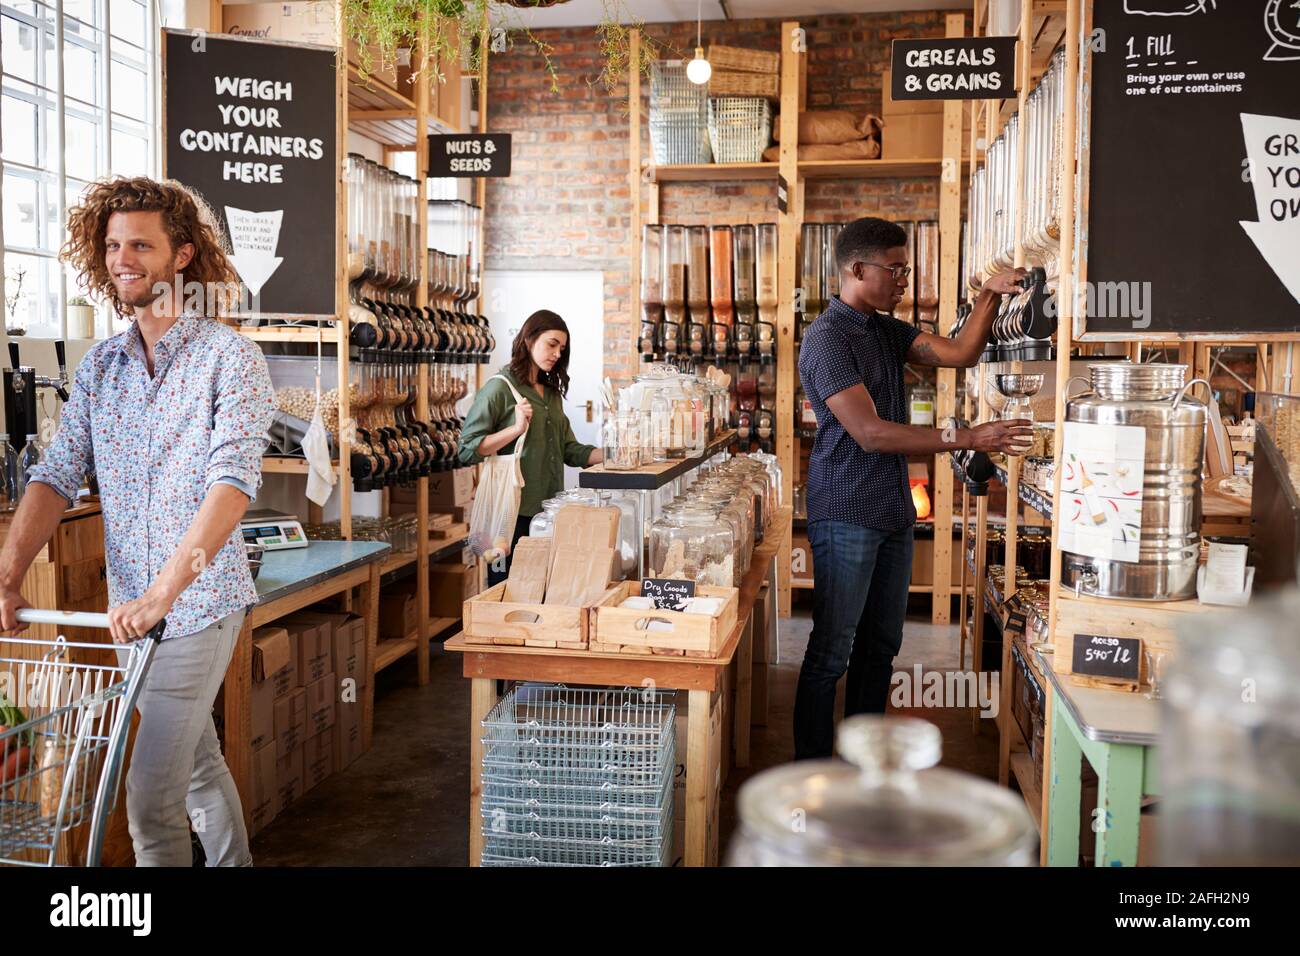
(585,527)
(842,152)
(529,569)
(579,576)
(832,127)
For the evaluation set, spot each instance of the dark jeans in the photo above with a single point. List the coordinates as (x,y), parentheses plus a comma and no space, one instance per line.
(499,569)
(860,580)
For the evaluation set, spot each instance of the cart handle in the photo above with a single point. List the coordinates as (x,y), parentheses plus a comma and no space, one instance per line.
(30,615)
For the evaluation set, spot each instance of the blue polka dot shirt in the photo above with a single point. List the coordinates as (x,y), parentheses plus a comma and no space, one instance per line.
(843,348)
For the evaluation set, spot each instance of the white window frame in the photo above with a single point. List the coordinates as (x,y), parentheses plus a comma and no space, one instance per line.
(110,49)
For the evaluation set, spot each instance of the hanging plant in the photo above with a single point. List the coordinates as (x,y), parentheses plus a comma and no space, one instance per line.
(390,32)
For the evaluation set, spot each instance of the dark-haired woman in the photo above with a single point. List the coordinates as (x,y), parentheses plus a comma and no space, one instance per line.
(538,373)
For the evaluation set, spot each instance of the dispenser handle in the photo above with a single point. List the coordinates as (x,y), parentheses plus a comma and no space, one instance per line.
(1065,392)
(1182,392)
(13,355)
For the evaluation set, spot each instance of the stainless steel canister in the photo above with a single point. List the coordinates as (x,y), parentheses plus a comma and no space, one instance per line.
(1154,398)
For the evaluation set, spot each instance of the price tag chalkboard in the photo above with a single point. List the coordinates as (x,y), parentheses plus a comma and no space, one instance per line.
(959,68)
(1111,658)
(250,126)
(668,594)
(1015,622)
(469,154)
(1194,186)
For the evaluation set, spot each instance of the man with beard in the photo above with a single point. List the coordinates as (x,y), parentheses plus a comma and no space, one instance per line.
(171,416)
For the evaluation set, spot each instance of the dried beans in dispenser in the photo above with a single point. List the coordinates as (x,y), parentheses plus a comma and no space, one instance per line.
(720,240)
(652,290)
(697,291)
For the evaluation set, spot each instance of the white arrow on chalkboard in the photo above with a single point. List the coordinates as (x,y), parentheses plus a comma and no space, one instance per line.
(254,237)
(1277,199)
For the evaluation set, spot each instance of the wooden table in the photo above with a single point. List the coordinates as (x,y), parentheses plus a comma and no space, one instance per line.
(289,581)
(485,664)
(1117,731)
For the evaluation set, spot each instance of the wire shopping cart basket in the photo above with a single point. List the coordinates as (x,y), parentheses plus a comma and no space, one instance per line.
(61,758)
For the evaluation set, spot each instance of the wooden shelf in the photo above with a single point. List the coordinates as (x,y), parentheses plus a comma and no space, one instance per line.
(870,168)
(1031,787)
(289,333)
(801,584)
(286,465)
(396,562)
(651,477)
(386,652)
(709,172)
(438,625)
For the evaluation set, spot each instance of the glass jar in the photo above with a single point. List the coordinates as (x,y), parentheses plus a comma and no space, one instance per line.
(621,440)
(889,806)
(661,428)
(543,523)
(694,546)
(730,510)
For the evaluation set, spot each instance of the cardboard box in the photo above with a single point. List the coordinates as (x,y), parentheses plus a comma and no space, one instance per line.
(313,638)
(317,759)
(261,704)
(321,695)
(451,488)
(347,734)
(451,584)
(890,107)
(912,136)
(347,636)
(275,659)
(288,779)
(303,21)
(397,607)
(264,804)
(290,722)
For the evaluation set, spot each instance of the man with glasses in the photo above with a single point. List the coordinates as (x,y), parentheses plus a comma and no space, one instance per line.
(860,512)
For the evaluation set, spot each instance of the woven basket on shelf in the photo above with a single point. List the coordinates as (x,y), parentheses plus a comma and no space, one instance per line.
(740,128)
(725,83)
(746,61)
(678,116)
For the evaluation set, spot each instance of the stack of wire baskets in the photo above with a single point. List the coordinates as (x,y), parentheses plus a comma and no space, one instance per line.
(740,128)
(678,116)
(578,777)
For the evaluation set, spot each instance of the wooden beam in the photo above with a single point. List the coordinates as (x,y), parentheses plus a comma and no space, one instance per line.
(634,190)
(422,372)
(341,274)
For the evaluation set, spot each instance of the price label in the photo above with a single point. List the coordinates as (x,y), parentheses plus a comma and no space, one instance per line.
(1110,658)
(669,594)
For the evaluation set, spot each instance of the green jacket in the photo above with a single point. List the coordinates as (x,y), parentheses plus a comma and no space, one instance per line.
(549,444)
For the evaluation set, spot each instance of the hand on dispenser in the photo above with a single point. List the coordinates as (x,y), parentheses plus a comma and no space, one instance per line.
(1010,436)
(1006,283)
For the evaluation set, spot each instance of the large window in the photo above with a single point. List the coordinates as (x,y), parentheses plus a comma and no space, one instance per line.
(73,107)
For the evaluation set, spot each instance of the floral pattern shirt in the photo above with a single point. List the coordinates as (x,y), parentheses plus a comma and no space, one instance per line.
(157,445)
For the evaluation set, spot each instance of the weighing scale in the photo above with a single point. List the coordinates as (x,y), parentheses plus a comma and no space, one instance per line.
(273,530)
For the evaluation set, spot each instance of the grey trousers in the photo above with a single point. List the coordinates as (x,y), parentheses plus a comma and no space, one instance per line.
(177,775)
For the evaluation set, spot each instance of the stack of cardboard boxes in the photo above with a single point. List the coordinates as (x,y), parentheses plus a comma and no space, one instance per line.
(309,671)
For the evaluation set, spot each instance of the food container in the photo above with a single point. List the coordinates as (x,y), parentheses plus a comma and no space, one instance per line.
(889,805)
(490,619)
(657,631)
(695,546)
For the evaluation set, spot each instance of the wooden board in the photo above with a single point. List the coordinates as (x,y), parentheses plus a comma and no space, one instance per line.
(491,620)
(614,628)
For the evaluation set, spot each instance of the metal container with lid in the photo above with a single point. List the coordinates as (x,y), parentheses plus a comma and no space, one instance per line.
(889,806)
(1154,398)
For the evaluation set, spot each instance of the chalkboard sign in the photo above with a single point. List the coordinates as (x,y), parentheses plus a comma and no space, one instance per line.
(1112,658)
(1016,621)
(960,68)
(469,154)
(250,125)
(1194,206)
(669,594)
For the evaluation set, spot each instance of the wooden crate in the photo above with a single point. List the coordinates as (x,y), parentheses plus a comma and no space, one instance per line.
(617,629)
(723,83)
(746,61)
(487,619)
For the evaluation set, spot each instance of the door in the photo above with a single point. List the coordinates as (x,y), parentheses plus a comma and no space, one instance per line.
(578,297)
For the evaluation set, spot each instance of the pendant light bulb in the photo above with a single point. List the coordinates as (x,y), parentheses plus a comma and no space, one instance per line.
(698,70)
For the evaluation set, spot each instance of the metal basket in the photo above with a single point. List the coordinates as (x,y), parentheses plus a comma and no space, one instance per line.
(740,128)
(578,777)
(678,116)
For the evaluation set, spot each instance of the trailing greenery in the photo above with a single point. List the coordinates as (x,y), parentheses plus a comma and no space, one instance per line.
(387,32)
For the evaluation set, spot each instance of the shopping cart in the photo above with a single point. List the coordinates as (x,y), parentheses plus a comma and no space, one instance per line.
(64,761)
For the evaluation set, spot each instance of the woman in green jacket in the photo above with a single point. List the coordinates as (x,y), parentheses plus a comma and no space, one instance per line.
(539,371)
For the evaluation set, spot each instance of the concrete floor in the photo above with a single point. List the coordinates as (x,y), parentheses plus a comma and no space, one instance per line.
(405,803)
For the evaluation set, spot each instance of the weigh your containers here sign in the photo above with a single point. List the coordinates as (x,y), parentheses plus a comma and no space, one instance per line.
(250,125)
(1194,181)
(960,68)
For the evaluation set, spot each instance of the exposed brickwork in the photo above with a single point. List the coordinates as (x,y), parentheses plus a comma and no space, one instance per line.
(568,204)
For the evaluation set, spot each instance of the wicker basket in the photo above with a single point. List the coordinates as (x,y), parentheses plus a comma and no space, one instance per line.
(746,61)
(678,116)
(724,83)
(740,128)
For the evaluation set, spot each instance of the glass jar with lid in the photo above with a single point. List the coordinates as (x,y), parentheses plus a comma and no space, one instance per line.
(621,439)
(543,523)
(693,545)
(728,510)
(889,805)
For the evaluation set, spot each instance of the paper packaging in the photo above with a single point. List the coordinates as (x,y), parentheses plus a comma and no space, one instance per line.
(290,722)
(451,584)
(579,577)
(397,607)
(451,488)
(264,805)
(346,734)
(317,759)
(288,779)
(321,695)
(302,21)
(585,527)
(271,656)
(529,570)
(314,649)
(347,636)
(1225,568)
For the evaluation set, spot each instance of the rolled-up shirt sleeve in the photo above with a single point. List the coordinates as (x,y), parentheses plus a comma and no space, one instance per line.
(242,409)
(488,408)
(71,455)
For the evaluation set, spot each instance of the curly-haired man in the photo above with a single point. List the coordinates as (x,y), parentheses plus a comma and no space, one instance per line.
(171,416)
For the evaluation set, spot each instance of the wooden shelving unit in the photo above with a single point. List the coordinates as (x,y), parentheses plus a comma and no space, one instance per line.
(646,181)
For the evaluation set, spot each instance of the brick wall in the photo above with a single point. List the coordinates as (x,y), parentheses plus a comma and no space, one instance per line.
(567,203)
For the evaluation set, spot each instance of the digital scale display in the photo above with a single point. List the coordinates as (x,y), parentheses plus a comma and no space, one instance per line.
(273,531)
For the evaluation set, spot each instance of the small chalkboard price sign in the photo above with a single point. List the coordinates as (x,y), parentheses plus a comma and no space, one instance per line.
(1108,658)
(1016,621)
(958,68)
(668,594)
(469,154)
